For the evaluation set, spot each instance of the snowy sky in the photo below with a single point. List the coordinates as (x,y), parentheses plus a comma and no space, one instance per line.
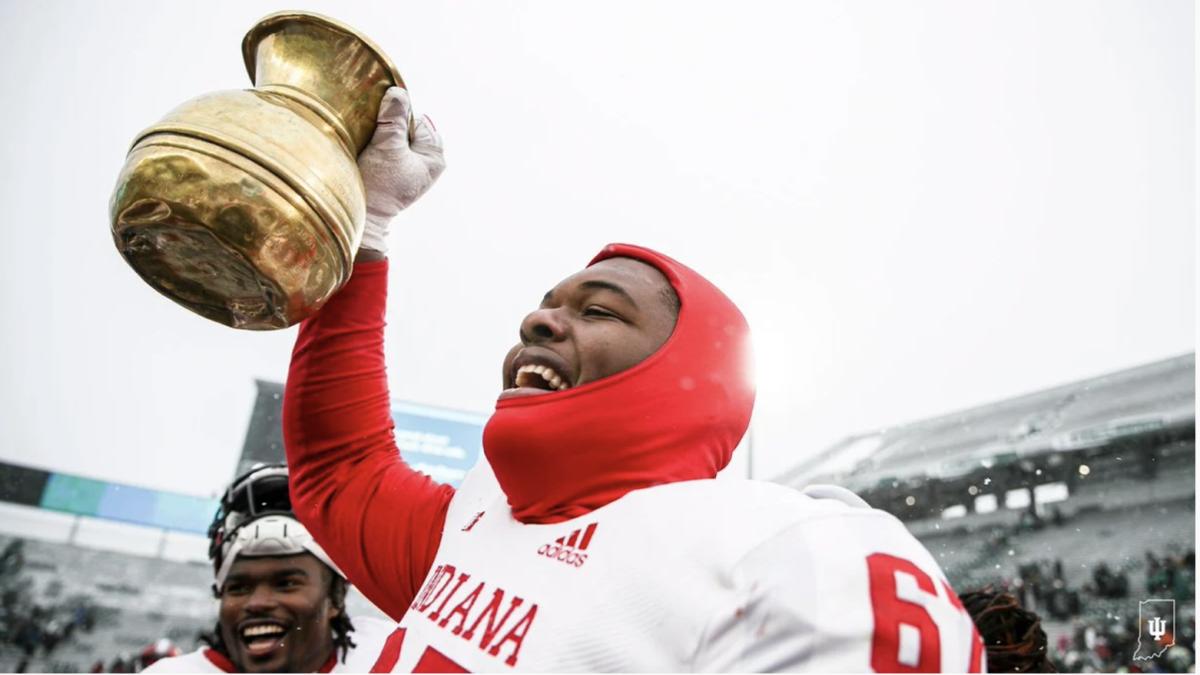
(920,206)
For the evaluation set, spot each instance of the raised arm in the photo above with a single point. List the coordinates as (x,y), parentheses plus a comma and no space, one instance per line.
(380,520)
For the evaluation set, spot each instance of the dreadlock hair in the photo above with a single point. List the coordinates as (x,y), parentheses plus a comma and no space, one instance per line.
(1012,635)
(340,624)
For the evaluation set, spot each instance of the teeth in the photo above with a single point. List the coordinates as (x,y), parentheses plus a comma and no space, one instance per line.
(547,374)
(256,631)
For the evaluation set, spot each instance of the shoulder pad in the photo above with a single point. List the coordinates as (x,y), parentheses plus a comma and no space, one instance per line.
(836,493)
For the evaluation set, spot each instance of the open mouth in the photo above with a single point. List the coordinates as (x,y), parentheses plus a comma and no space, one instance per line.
(534,375)
(261,639)
(540,377)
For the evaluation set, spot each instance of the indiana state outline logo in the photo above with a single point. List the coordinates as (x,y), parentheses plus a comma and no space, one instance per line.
(1156,628)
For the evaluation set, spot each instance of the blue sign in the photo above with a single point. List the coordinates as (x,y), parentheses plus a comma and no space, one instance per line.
(441,443)
(127,503)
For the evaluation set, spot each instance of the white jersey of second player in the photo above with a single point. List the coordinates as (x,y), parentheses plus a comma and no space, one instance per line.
(709,575)
(369,636)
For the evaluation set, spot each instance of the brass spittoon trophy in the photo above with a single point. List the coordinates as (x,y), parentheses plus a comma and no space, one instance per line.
(246,206)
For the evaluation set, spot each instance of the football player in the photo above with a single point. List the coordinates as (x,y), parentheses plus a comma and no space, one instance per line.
(594,538)
(282,600)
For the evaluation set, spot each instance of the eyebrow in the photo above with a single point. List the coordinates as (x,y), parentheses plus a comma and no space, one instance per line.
(291,571)
(597,284)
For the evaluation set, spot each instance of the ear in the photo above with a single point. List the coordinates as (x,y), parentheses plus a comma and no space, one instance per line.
(337,595)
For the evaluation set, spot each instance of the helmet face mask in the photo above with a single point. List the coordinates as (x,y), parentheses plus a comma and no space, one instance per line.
(255,519)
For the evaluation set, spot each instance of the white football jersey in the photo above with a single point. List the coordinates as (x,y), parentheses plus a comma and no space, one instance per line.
(709,575)
(369,636)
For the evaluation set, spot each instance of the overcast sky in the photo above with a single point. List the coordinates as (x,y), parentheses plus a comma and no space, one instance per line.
(920,206)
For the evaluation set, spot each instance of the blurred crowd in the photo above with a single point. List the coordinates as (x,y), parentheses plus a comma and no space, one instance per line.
(1101,610)
(1107,643)
(29,629)
(1173,575)
(134,663)
(1091,614)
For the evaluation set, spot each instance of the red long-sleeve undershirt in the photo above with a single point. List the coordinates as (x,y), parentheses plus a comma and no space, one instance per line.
(378,519)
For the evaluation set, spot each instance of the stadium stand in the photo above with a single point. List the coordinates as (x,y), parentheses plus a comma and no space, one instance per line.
(65,606)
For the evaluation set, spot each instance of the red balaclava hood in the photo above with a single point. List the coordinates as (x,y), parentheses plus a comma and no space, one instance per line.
(677,415)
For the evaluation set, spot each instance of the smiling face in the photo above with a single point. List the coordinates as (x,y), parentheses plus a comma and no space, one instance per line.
(595,323)
(275,614)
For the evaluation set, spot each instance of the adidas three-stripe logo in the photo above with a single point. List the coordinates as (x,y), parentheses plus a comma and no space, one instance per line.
(570,549)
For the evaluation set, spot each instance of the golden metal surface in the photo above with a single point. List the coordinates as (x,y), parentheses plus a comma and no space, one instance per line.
(246,206)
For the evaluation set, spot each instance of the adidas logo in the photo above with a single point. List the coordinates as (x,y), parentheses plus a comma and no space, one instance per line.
(570,549)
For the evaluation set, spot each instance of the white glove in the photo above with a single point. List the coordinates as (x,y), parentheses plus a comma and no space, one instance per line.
(401,162)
